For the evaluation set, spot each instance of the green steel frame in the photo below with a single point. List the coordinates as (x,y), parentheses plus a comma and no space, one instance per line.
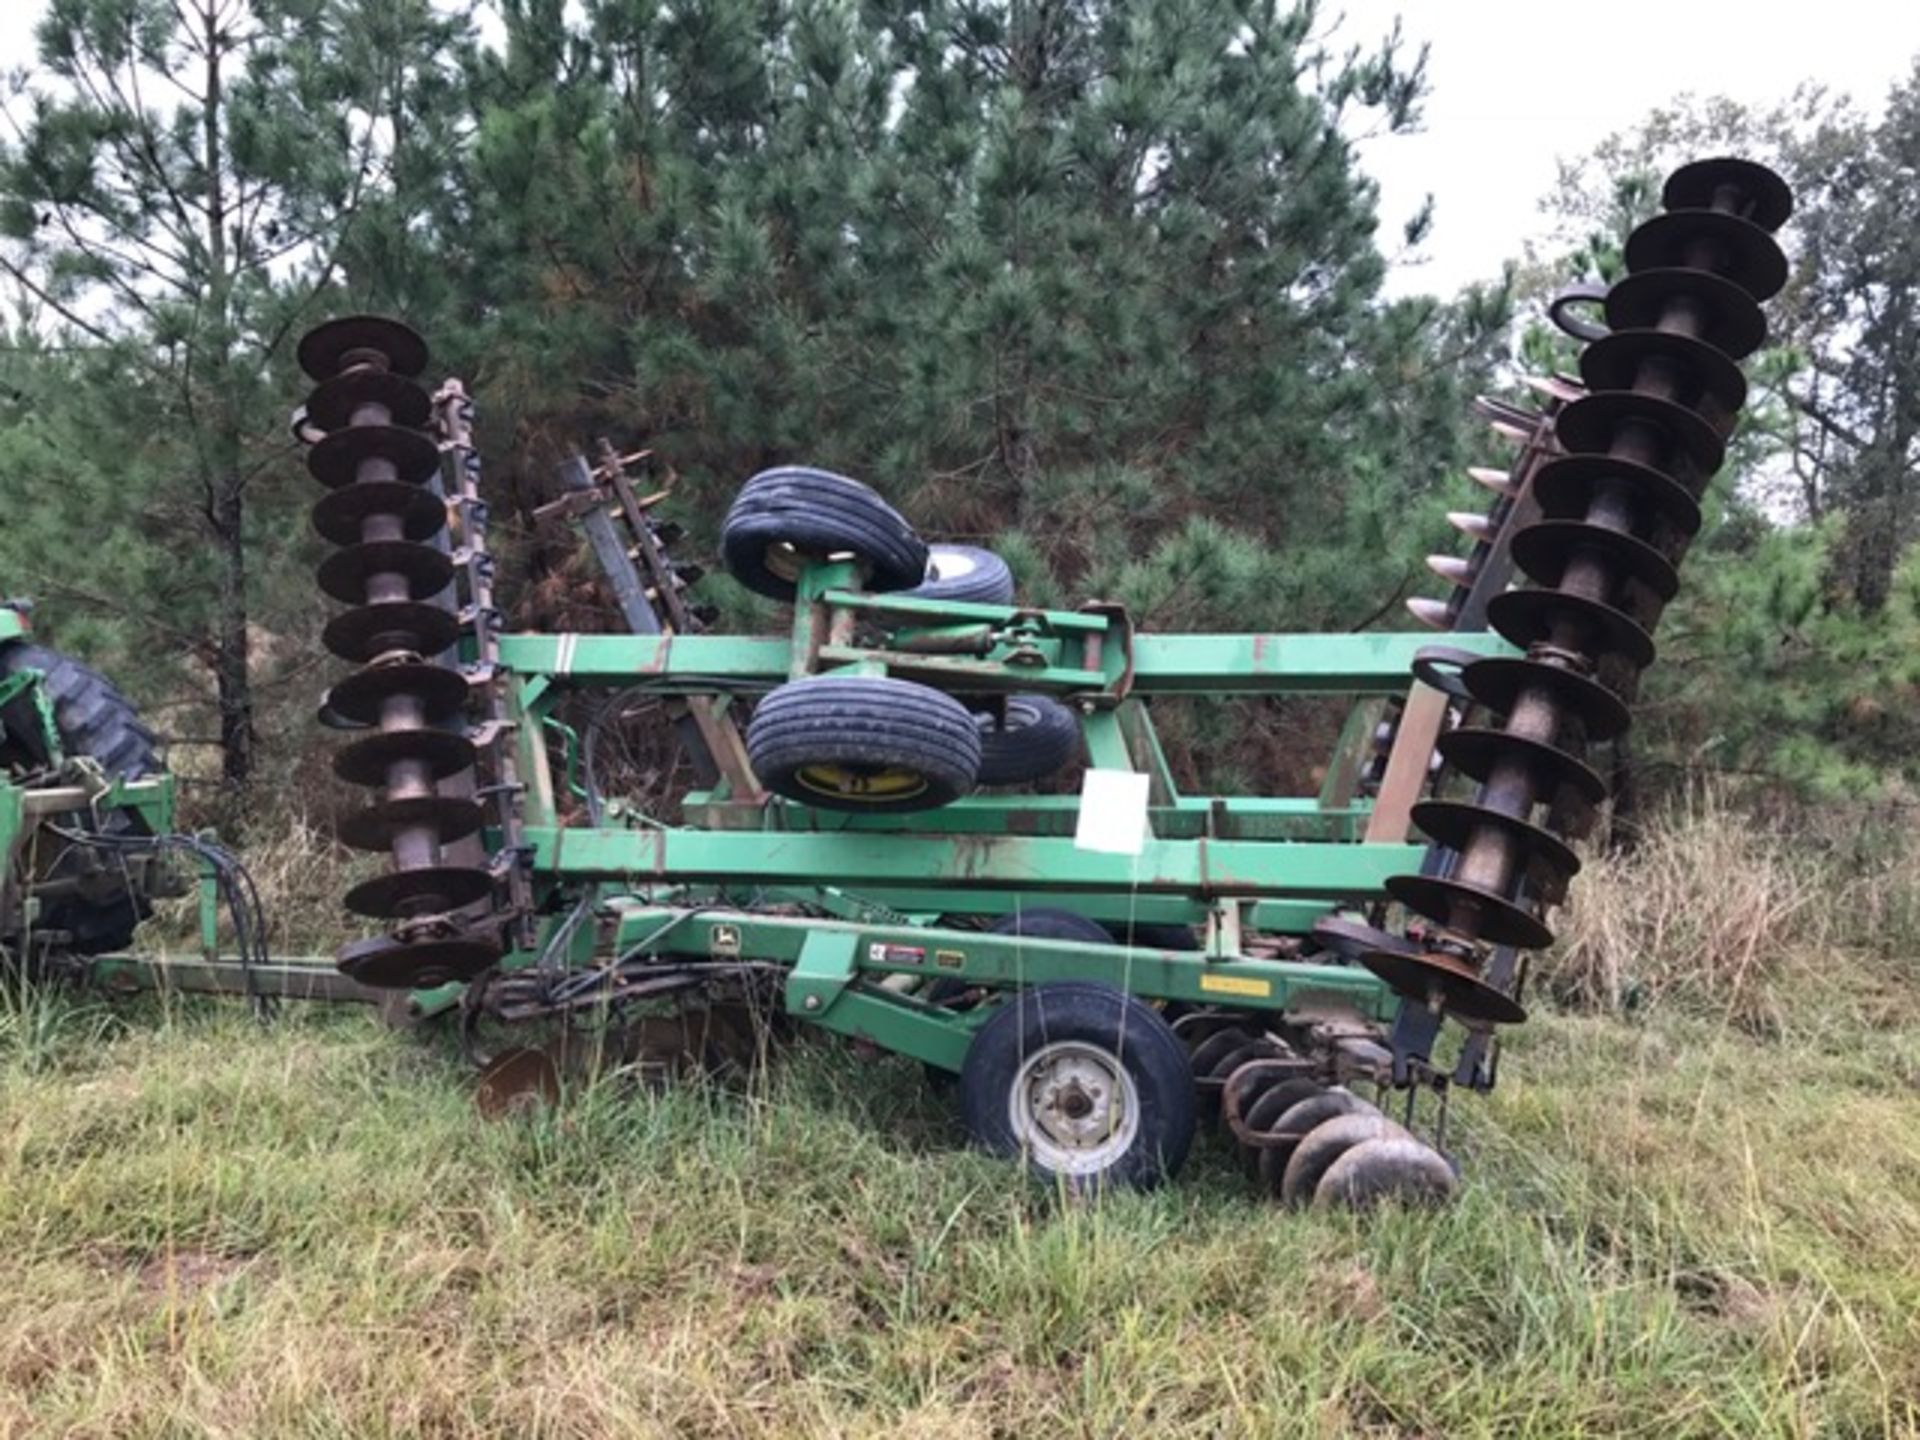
(1237,865)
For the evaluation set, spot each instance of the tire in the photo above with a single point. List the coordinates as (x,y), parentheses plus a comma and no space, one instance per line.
(1060,1046)
(1150,935)
(965,573)
(864,743)
(795,509)
(96,721)
(1038,738)
(1043,922)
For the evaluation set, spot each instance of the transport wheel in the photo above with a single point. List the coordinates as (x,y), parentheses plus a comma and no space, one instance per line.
(1151,935)
(784,516)
(1043,922)
(96,721)
(1037,738)
(864,743)
(1086,1083)
(965,573)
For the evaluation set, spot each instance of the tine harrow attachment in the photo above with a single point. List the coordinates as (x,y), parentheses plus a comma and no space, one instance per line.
(1617,511)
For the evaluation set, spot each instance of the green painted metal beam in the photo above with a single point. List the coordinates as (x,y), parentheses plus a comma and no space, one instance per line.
(857,858)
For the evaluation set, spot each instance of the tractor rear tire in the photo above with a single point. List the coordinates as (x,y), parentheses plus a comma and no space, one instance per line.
(95,721)
(793,513)
(93,718)
(864,743)
(965,573)
(1085,1083)
(1038,739)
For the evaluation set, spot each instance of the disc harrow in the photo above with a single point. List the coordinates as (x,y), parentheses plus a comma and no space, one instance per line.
(1616,511)
(384,512)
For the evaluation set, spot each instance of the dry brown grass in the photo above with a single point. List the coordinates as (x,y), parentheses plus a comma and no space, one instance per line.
(1717,909)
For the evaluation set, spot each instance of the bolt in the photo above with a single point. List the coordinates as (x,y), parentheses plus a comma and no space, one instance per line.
(812,1002)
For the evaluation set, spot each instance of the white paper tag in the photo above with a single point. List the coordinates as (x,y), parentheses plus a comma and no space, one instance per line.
(1113,812)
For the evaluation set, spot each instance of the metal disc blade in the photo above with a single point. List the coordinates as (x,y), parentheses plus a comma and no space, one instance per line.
(1731,318)
(1477,752)
(1707,379)
(429,890)
(1456,986)
(1392,1168)
(374,828)
(1767,199)
(1543,551)
(1351,939)
(1567,487)
(1550,861)
(1591,427)
(389,964)
(1441,667)
(1747,255)
(1527,617)
(339,515)
(335,460)
(518,1080)
(366,632)
(332,406)
(367,761)
(345,573)
(1498,682)
(1494,918)
(359,697)
(327,348)
(1323,1145)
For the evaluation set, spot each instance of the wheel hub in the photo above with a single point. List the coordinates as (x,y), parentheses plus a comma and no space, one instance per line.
(1075,1107)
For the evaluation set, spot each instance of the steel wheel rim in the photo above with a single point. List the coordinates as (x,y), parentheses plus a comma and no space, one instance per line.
(1074,1108)
(865,785)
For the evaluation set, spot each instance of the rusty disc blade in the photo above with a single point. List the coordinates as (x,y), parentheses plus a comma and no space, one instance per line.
(1591,427)
(1527,617)
(1497,920)
(344,574)
(1427,977)
(1392,1168)
(374,828)
(441,691)
(1544,549)
(516,1081)
(327,348)
(367,632)
(336,458)
(1767,201)
(1747,255)
(1351,938)
(385,963)
(368,760)
(1733,320)
(1476,752)
(332,406)
(1498,682)
(339,515)
(428,890)
(1567,487)
(1550,860)
(1704,377)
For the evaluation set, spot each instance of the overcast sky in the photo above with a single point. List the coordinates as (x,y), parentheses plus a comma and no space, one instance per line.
(1517,83)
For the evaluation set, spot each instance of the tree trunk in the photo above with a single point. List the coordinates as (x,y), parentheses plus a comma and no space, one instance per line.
(232,675)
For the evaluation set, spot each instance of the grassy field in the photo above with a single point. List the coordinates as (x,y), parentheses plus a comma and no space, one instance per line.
(1683,1221)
